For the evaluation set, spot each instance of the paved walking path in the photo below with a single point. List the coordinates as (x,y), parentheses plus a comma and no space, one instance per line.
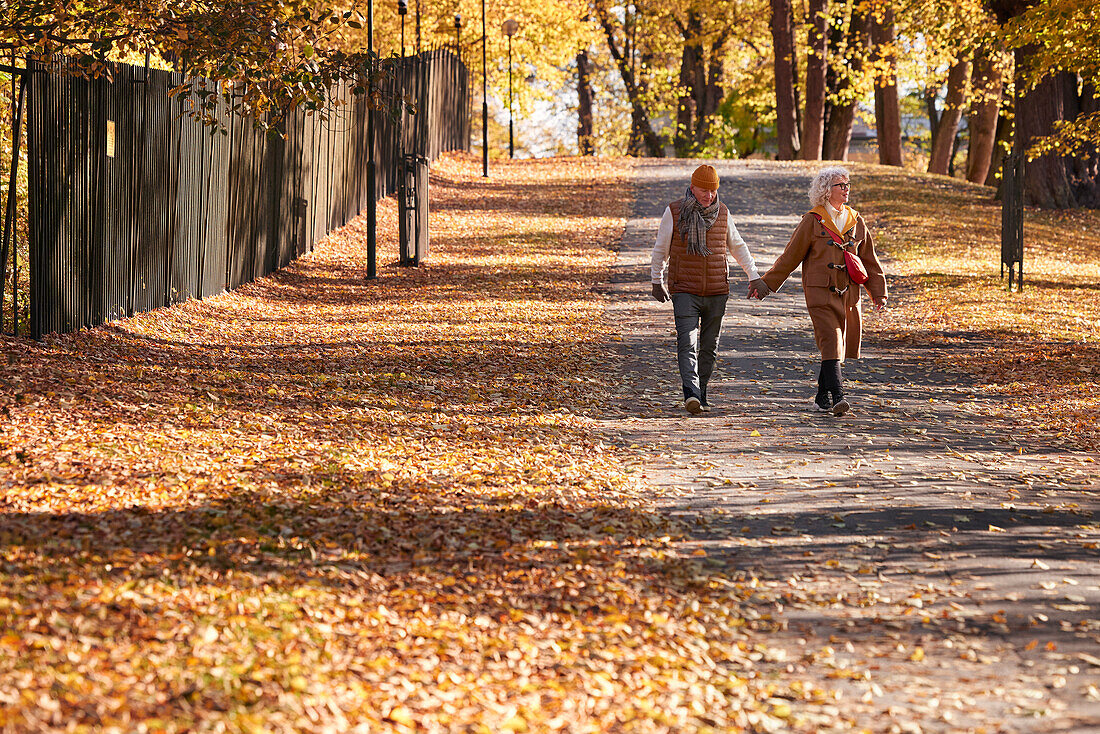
(945,573)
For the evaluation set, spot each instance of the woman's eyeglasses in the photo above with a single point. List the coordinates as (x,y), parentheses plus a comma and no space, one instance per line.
(845,186)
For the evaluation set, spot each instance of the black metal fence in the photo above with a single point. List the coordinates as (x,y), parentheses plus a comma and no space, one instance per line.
(134,204)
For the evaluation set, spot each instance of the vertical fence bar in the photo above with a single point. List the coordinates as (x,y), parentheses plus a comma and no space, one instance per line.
(72,250)
(15,239)
(157,194)
(10,218)
(34,192)
(216,192)
(95,289)
(138,166)
(113,172)
(172,246)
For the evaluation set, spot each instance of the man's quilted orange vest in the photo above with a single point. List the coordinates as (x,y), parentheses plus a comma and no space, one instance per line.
(695,274)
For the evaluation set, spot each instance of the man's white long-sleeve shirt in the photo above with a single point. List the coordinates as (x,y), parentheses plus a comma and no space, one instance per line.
(735,249)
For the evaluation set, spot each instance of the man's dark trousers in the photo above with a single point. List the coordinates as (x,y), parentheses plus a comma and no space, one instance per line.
(698,326)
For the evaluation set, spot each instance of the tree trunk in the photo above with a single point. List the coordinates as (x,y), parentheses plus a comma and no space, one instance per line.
(783,44)
(953,155)
(833,84)
(1001,144)
(1045,184)
(643,139)
(642,136)
(1090,197)
(1052,181)
(838,128)
(585,140)
(692,80)
(933,113)
(838,135)
(1083,168)
(982,120)
(710,96)
(700,85)
(943,139)
(813,122)
(1087,172)
(1090,101)
(887,111)
(643,126)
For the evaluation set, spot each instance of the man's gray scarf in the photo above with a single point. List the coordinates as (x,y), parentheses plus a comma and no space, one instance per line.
(695,221)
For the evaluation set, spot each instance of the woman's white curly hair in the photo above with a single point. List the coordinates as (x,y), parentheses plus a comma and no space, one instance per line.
(826,177)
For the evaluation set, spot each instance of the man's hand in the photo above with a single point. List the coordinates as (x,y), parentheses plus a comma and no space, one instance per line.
(880,304)
(758,289)
(659,292)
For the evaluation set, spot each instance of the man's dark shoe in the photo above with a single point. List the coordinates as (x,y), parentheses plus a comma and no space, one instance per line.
(704,407)
(823,403)
(693,406)
(840,405)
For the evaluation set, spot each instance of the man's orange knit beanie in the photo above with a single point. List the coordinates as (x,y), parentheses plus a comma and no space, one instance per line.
(705,177)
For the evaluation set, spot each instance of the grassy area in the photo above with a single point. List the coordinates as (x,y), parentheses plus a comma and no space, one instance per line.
(1038,350)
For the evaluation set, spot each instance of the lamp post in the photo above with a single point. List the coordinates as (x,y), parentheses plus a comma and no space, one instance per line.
(484,98)
(510,27)
(418,27)
(372,205)
(402,10)
(458,81)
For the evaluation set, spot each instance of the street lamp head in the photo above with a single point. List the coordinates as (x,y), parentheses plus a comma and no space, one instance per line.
(402,7)
(510,27)
(458,21)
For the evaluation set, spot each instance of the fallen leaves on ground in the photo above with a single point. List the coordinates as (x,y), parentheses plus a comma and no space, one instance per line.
(1037,350)
(322,503)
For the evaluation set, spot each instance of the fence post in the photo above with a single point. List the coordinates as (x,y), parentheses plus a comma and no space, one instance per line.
(1012,219)
(135,193)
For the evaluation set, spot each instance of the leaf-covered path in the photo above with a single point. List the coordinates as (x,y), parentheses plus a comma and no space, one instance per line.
(916,555)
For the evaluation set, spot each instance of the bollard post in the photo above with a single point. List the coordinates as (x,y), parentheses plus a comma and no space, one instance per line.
(1012,220)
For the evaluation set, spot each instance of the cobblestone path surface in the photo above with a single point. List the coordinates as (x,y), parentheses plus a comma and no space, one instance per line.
(944,573)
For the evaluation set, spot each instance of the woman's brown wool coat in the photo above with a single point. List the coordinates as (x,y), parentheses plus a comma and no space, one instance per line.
(696,274)
(836,317)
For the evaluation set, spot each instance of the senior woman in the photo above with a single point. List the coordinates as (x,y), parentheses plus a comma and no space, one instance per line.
(832,297)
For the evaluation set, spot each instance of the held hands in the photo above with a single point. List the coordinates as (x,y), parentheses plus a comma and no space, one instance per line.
(758,289)
(659,293)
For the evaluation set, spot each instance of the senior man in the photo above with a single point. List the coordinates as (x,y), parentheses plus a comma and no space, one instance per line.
(695,241)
